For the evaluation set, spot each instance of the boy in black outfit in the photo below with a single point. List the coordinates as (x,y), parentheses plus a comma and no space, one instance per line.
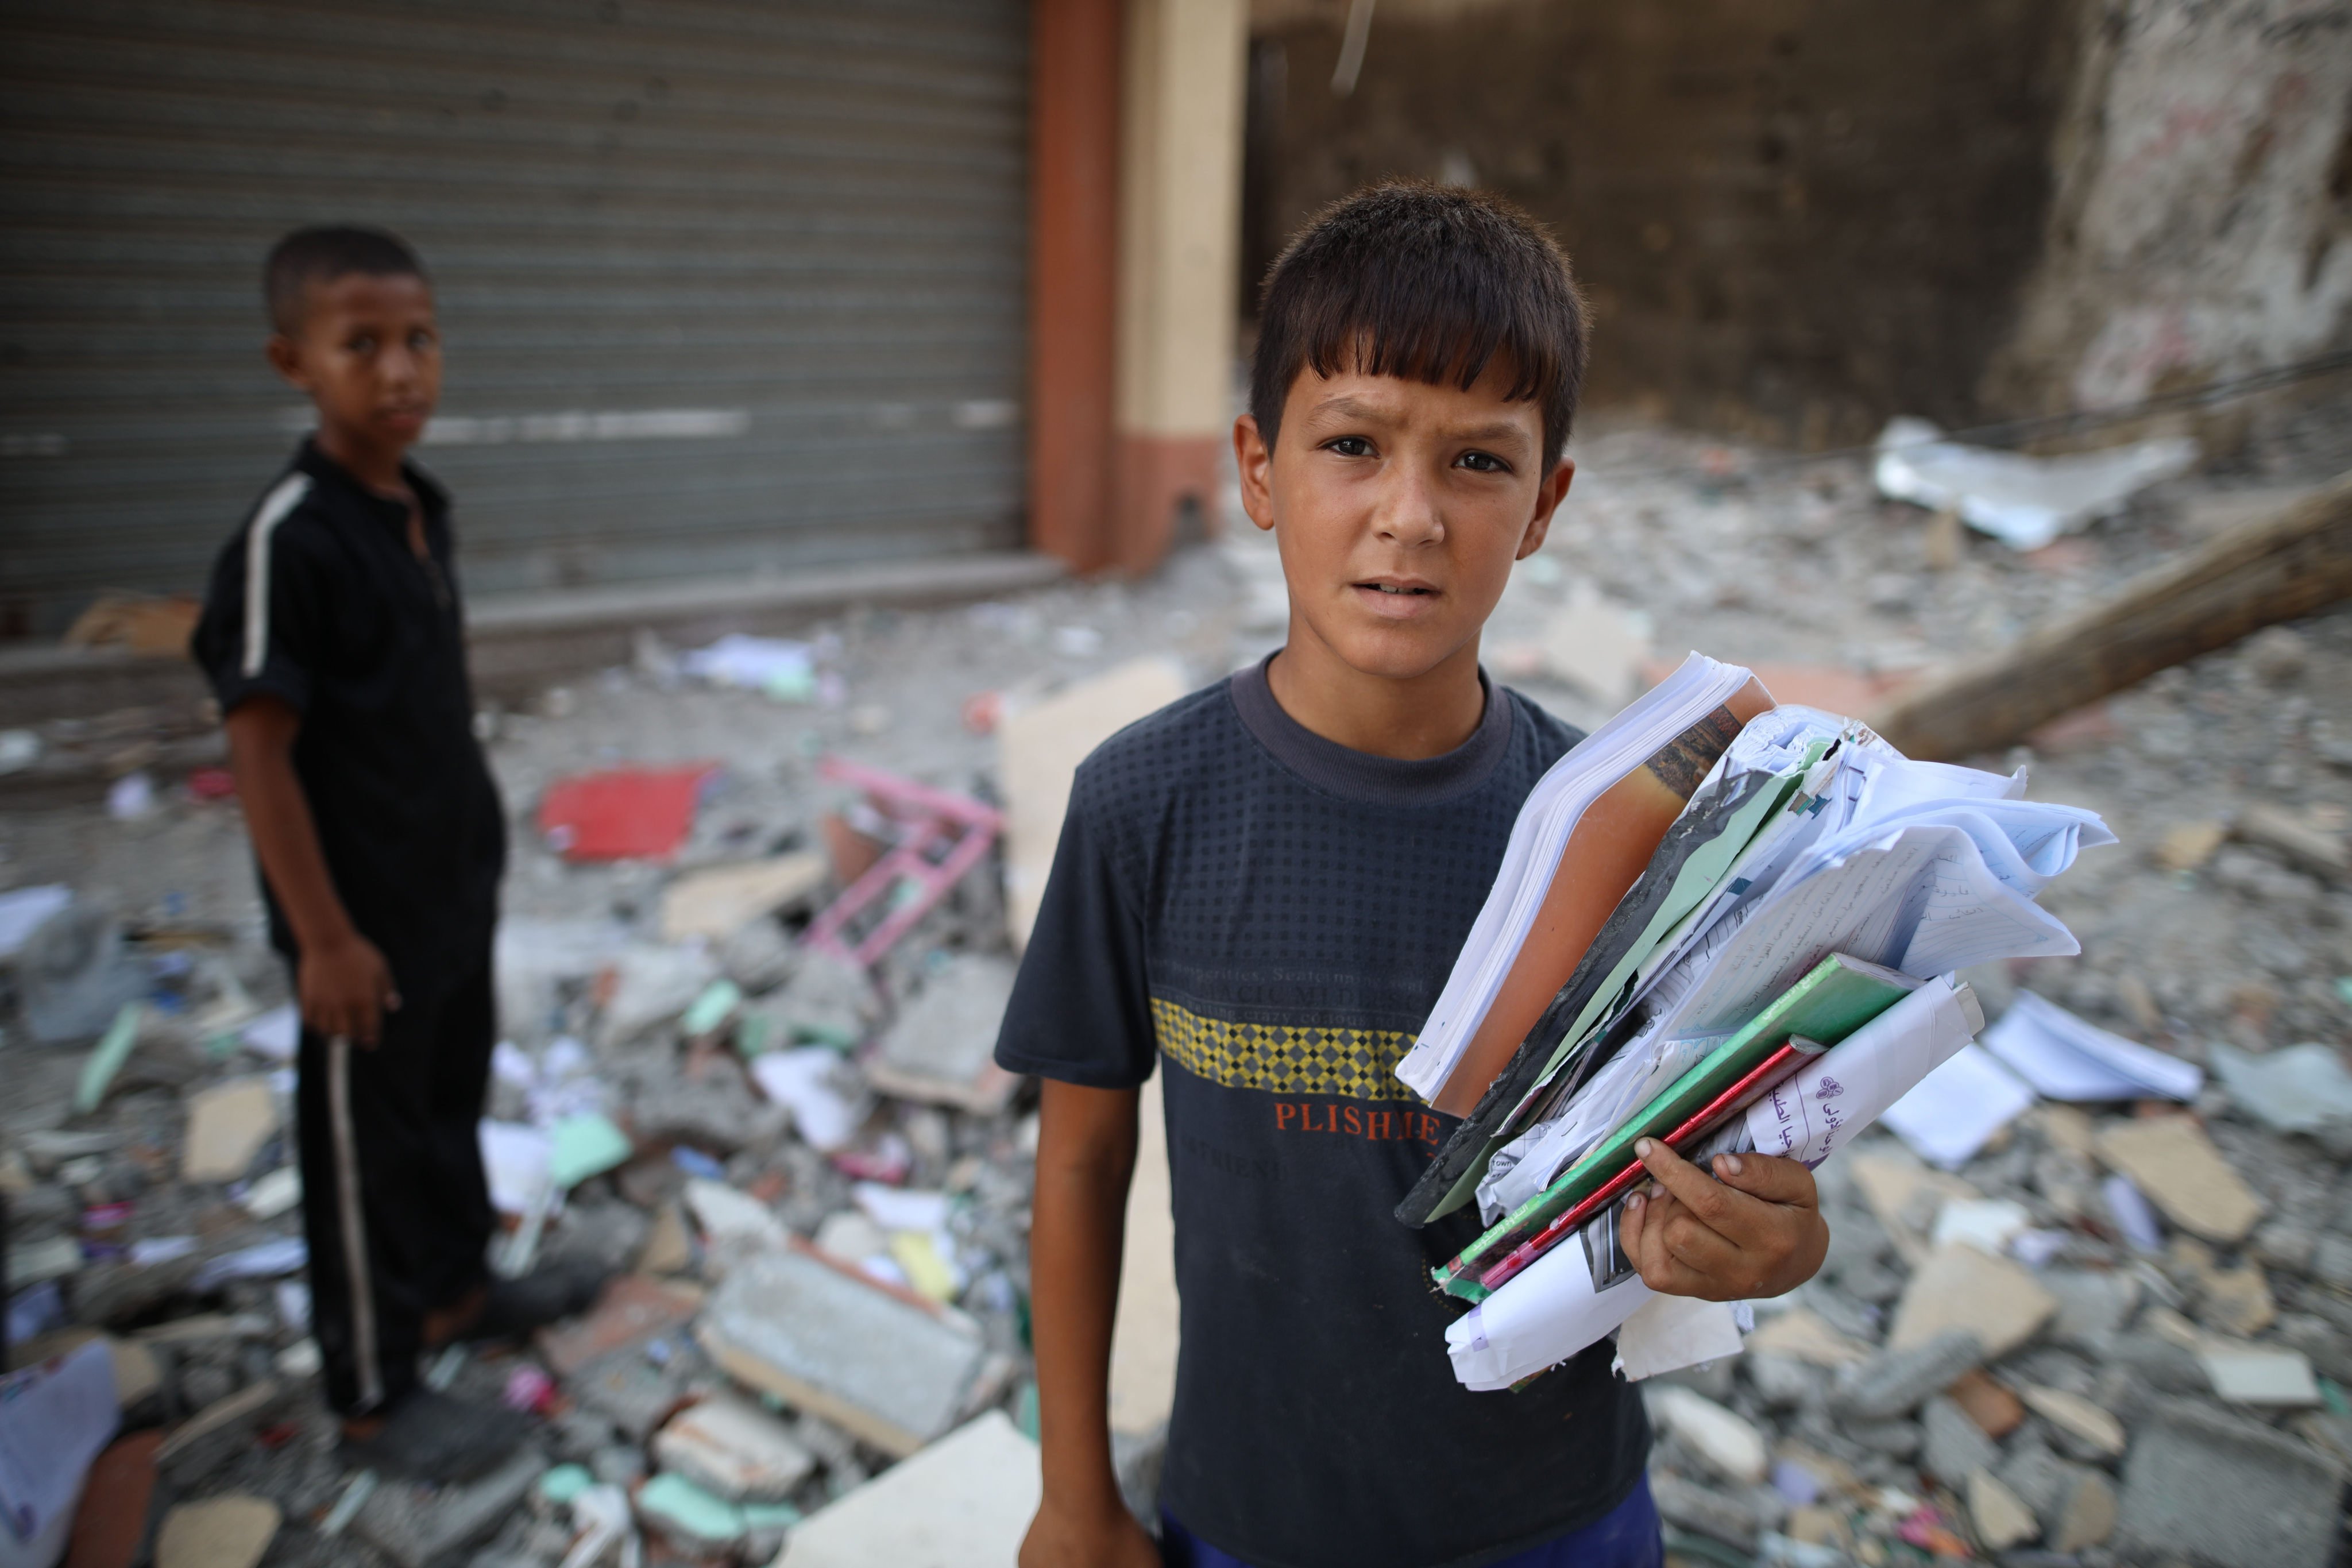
(334,639)
(1263,888)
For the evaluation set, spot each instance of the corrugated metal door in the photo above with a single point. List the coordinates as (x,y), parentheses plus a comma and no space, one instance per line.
(728,286)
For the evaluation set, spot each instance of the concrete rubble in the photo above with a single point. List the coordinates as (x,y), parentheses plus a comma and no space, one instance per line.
(2115,1334)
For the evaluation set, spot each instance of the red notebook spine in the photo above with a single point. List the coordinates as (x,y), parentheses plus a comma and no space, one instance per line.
(1701,1123)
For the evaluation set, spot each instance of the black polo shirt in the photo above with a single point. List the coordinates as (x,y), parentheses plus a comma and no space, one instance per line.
(319,601)
(1268,918)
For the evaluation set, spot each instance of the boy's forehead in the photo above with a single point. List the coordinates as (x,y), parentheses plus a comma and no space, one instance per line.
(1349,394)
(366,293)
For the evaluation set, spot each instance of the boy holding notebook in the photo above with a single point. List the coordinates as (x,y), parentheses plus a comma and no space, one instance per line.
(1266,884)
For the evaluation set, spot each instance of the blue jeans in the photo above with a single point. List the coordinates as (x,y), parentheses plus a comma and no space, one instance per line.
(1627,1536)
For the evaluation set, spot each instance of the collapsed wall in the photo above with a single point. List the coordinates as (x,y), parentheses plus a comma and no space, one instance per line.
(2200,223)
(1794,216)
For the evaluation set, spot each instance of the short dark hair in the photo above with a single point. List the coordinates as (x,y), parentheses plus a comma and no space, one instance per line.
(321,255)
(1426,282)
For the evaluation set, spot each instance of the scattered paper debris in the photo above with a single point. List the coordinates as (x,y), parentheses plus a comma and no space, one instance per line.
(1958,1108)
(627,813)
(2023,502)
(2066,1058)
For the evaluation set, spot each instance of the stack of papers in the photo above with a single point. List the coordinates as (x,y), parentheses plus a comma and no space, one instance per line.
(1796,924)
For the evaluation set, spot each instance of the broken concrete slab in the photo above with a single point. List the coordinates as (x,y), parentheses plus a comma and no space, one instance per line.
(1896,1382)
(2260,1374)
(2224,1491)
(1959,1286)
(1728,1441)
(2090,1424)
(734,1450)
(230,1531)
(717,901)
(1039,748)
(630,1309)
(2000,1519)
(963,1502)
(1954,1447)
(2094,1304)
(1804,1336)
(940,1050)
(421,1526)
(2170,1160)
(883,1363)
(2087,1515)
(227,1124)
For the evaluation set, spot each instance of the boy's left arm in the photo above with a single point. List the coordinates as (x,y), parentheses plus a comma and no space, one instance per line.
(1752,1230)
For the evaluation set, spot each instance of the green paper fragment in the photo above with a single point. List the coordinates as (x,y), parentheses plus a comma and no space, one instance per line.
(819,1035)
(564,1482)
(106,1059)
(792,686)
(1024,1410)
(771,1516)
(584,1146)
(710,1009)
(2343,988)
(671,1499)
(220,1048)
(753,1035)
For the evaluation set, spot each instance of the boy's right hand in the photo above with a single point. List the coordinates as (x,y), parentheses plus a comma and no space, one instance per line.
(345,988)
(1062,1537)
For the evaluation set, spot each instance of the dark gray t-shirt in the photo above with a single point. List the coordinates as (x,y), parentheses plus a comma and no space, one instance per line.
(1275,915)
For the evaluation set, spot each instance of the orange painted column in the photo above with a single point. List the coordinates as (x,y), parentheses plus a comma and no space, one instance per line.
(1075,70)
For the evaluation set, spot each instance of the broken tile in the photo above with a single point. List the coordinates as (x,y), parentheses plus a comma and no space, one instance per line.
(632,1310)
(1999,1519)
(2260,1374)
(963,1502)
(2170,1160)
(942,1049)
(230,1531)
(1958,1287)
(885,1363)
(2071,1413)
(734,1450)
(227,1125)
(1803,1335)
(2089,1516)
(719,901)
(668,1249)
(1989,1402)
(1728,1441)
(2236,1301)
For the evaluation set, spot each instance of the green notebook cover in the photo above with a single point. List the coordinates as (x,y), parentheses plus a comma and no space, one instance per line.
(1837,996)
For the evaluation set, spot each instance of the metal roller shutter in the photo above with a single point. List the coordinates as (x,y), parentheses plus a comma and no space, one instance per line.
(728,288)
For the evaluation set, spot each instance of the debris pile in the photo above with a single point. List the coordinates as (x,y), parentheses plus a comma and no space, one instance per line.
(2101,1314)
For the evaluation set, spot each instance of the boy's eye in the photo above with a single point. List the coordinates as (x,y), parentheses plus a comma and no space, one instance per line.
(1349,447)
(420,341)
(362,344)
(1483,463)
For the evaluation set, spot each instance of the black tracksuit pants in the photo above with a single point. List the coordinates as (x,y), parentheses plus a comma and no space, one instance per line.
(395,1206)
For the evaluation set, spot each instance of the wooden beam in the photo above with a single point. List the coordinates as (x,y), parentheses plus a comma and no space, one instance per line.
(2292,564)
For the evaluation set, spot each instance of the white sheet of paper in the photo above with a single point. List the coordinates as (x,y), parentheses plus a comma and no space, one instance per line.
(1826,1103)
(1957,1109)
(1667,1334)
(22,910)
(2066,1058)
